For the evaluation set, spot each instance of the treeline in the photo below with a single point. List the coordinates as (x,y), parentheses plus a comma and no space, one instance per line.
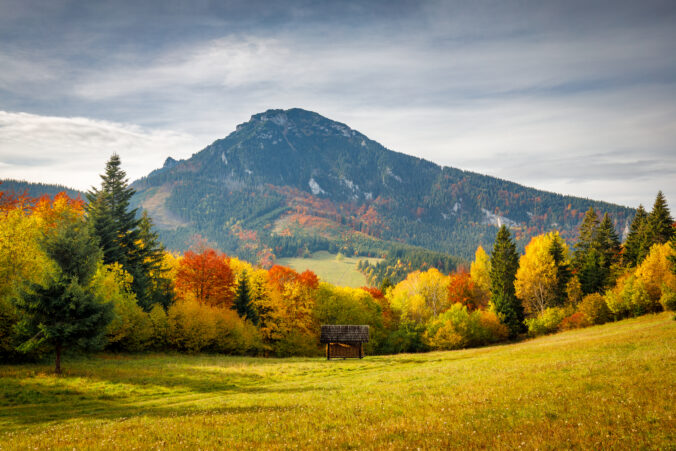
(95,276)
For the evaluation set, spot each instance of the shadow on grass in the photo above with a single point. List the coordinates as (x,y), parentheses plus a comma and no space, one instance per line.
(29,401)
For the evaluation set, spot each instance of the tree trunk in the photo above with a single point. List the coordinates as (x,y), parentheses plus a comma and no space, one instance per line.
(57,367)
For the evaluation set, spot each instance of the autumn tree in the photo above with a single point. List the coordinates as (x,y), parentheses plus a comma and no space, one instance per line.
(504,264)
(536,279)
(461,288)
(480,271)
(205,277)
(65,313)
(421,296)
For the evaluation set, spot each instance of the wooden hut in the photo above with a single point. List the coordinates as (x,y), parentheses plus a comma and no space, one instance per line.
(344,342)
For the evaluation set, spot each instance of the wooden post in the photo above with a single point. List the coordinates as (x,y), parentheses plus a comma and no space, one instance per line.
(328,351)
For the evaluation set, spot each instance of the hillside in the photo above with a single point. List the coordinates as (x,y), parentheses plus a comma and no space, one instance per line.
(604,387)
(289,182)
(37,189)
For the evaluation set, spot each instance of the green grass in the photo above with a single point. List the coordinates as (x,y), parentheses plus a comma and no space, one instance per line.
(605,387)
(341,271)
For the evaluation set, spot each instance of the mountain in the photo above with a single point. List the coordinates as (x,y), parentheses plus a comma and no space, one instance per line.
(37,189)
(289,182)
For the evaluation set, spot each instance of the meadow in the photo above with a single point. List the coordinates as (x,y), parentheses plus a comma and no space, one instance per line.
(332,268)
(610,386)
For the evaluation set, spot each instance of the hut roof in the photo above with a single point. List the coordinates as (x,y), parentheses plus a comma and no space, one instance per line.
(345,334)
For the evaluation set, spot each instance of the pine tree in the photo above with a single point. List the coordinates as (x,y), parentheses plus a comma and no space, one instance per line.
(114,223)
(636,246)
(660,222)
(504,264)
(126,240)
(159,287)
(607,242)
(242,303)
(586,240)
(64,313)
(563,272)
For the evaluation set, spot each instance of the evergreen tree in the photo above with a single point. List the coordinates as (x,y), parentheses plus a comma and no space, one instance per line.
(563,272)
(636,246)
(64,313)
(242,303)
(113,222)
(586,240)
(125,239)
(592,272)
(660,222)
(607,242)
(159,287)
(504,264)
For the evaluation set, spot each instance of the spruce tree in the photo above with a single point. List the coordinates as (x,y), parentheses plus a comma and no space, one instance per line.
(64,313)
(636,246)
(607,242)
(125,239)
(504,264)
(158,287)
(586,239)
(660,222)
(563,272)
(242,304)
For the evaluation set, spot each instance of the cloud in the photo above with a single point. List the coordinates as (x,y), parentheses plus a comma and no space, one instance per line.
(73,151)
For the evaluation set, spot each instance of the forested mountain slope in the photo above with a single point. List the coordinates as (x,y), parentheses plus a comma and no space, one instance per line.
(292,181)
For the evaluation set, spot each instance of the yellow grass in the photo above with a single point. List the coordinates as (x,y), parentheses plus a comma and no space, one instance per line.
(605,387)
(333,268)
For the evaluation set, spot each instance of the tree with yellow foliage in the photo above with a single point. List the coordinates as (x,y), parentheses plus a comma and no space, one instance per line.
(480,272)
(422,295)
(536,279)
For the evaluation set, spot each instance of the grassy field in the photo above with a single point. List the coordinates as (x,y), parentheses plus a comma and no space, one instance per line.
(610,386)
(340,271)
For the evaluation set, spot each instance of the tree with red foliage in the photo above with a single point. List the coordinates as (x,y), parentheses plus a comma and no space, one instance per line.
(462,289)
(207,277)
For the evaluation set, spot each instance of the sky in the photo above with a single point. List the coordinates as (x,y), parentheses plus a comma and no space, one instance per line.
(575,97)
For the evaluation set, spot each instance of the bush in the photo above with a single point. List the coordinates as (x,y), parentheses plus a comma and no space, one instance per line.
(409,337)
(595,309)
(546,322)
(459,328)
(575,321)
(668,299)
(195,327)
(160,327)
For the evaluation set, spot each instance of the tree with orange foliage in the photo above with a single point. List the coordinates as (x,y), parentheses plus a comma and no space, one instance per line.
(462,289)
(205,277)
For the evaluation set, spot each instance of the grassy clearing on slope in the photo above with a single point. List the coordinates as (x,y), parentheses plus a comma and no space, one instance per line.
(609,386)
(341,271)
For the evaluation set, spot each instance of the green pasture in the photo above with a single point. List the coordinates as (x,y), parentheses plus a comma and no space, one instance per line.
(333,268)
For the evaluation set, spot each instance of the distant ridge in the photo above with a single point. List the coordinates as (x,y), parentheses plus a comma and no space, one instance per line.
(38,189)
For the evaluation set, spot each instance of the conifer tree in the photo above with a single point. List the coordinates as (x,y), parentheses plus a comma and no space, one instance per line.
(242,303)
(563,272)
(636,246)
(586,240)
(607,241)
(64,312)
(504,264)
(159,287)
(660,222)
(126,240)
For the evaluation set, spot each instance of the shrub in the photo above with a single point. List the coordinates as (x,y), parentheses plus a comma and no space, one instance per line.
(546,322)
(195,327)
(409,337)
(575,321)
(668,299)
(594,309)
(160,327)
(459,328)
